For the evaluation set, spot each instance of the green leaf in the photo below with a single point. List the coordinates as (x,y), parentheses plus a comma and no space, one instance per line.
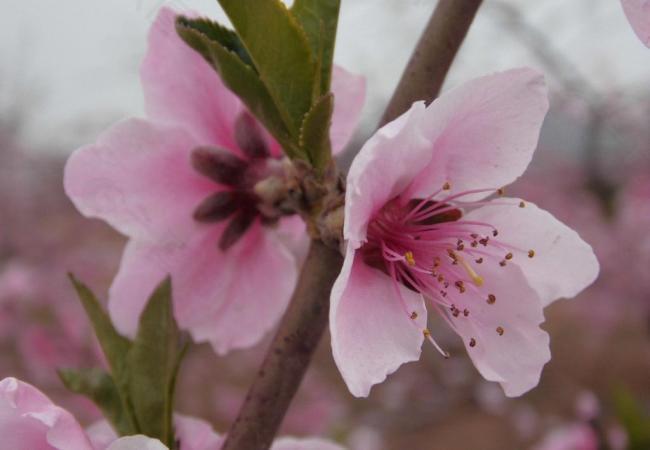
(153,363)
(319,20)
(114,345)
(281,53)
(98,386)
(634,419)
(222,49)
(314,135)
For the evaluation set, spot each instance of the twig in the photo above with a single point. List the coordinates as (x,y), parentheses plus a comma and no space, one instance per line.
(432,58)
(306,319)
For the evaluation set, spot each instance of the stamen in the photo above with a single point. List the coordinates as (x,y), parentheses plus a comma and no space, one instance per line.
(509,256)
(472,342)
(466,312)
(414,315)
(500,331)
(502,263)
(410,259)
(522,204)
(460,285)
(476,278)
(531,253)
(491,299)
(427,334)
(446,186)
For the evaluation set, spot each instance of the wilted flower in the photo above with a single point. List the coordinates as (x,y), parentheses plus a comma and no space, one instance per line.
(184,186)
(419,228)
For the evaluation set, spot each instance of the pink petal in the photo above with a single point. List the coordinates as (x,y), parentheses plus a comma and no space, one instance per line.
(101,434)
(229,299)
(516,358)
(196,434)
(138,178)
(372,334)
(138,442)
(484,132)
(563,264)
(638,14)
(30,421)
(180,87)
(384,167)
(349,95)
(289,443)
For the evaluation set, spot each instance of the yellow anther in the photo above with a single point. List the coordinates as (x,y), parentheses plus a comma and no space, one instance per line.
(410,259)
(476,278)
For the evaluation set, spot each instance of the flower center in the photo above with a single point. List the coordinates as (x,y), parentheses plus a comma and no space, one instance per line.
(427,246)
(250,187)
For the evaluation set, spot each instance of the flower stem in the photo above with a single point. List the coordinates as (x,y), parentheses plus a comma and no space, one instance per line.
(290,353)
(306,319)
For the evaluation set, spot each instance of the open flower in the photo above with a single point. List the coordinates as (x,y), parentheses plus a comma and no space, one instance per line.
(638,14)
(421,234)
(30,421)
(184,186)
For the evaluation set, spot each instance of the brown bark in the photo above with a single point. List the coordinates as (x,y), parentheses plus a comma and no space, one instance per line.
(433,55)
(307,317)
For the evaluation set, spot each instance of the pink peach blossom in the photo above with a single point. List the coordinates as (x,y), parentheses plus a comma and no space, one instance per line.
(420,232)
(573,437)
(181,186)
(638,14)
(30,421)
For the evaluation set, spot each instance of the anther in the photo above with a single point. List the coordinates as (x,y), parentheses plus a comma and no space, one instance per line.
(410,259)
(466,312)
(472,342)
(501,191)
(436,261)
(478,261)
(495,233)
(474,236)
(484,241)
(509,256)
(500,331)
(502,263)
(531,253)
(474,244)
(460,285)
(491,299)
(522,204)
(446,186)
(414,315)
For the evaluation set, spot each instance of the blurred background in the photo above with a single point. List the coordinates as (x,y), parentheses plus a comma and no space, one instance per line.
(70,69)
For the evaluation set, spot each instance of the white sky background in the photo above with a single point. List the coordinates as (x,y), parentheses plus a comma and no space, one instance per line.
(76,61)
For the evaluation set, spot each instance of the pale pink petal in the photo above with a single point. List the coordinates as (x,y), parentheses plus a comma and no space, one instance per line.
(484,132)
(349,94)
(514,359)
(230,299)
(30,421)
(181,87)
(571,437)
(101,434)
(138,178)
(638,14)
(384,167)
(372,334)
(289,443)
(563,264)
(138,442)
(196,434)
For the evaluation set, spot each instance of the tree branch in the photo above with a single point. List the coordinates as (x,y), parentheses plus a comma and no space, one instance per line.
(433,55)
(306,319)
